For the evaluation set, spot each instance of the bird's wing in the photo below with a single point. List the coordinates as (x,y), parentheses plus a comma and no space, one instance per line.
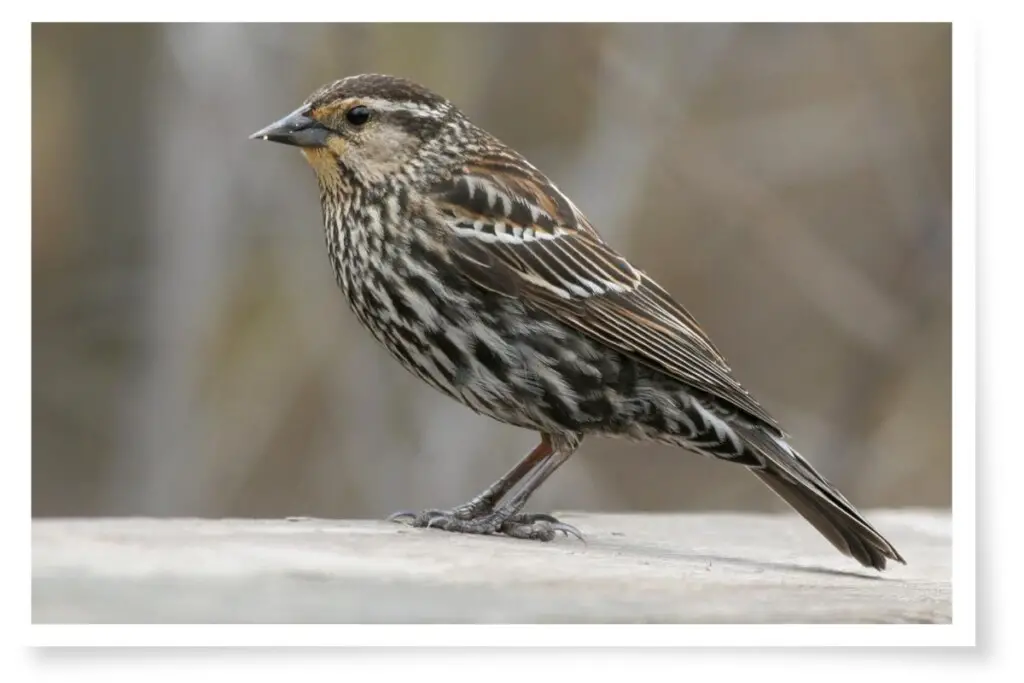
(513,232)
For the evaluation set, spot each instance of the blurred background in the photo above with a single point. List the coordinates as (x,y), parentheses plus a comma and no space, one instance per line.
(790,184)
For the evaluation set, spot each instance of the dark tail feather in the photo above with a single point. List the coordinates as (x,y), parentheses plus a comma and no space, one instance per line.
(820,503)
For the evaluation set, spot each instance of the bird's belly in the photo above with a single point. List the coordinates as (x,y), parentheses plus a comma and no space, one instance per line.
(525,368)
(485,351)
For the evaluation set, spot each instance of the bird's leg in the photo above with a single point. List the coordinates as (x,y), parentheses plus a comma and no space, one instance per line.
(479,515)
(484,503)
(537,526)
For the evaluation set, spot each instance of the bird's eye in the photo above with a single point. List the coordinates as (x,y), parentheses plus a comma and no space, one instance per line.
(358,115)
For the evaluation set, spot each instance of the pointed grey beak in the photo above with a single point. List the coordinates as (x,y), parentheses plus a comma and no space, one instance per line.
(295,129)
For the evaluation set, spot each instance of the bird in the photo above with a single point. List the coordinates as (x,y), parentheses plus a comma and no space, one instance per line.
(484,280)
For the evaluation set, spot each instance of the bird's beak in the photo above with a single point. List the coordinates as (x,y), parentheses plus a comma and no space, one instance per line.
(296,129)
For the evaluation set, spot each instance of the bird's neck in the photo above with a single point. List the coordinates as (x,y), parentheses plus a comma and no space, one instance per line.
(361,229)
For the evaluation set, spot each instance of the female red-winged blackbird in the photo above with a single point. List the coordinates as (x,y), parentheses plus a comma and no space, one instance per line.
(486,282)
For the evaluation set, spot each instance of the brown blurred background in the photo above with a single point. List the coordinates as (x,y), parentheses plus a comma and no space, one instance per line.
(192,355)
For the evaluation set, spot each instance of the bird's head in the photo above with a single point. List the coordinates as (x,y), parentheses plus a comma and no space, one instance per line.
(366,127)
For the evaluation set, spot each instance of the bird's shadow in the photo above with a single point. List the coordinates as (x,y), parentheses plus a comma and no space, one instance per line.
(623,544)
(618,544)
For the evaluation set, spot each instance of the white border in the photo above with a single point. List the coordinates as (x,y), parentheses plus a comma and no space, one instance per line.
(505,635)
(964,330)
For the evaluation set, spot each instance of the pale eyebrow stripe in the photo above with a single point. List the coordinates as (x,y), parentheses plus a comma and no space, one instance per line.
(414,108)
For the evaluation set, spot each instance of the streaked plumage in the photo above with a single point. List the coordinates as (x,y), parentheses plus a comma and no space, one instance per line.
(489,284)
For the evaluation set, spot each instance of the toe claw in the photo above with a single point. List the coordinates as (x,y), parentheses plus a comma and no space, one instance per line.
(568,530)
(402,516)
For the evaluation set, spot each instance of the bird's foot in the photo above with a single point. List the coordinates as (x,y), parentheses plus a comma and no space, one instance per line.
(460,520)
(538,527)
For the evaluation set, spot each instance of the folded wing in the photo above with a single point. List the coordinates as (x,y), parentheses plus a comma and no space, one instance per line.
(512,231)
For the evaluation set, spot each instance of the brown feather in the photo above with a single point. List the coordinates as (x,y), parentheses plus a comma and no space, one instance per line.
(569,272)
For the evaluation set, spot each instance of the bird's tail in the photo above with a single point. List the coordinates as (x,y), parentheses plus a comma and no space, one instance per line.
(793,479)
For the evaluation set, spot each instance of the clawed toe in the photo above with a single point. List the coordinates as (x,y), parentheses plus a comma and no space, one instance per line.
(538,527)
(437,519)
(569,530)
(425,519)
(402,517)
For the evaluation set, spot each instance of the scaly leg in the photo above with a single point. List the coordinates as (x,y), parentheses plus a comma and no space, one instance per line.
(479,515)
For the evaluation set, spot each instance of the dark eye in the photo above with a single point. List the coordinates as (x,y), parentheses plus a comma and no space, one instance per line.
(358,115)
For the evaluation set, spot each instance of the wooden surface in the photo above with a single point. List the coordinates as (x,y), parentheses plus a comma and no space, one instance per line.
(633,568)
